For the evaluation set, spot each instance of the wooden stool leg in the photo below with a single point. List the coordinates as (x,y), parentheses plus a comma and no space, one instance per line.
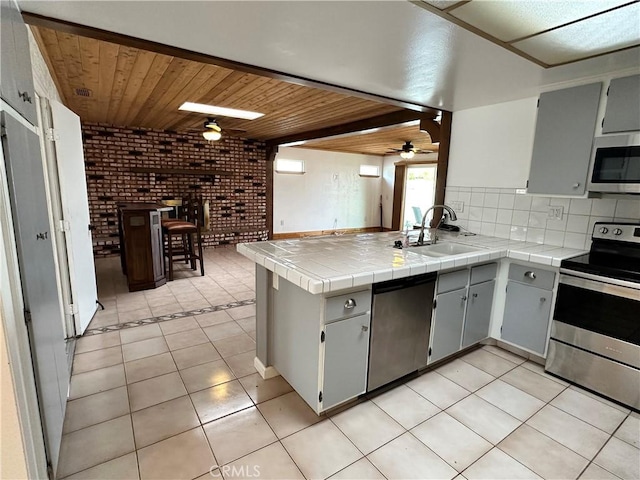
(200,256)
(184,248)
(192,252)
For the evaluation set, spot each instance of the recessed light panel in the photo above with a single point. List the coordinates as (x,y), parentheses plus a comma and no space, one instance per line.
(219,111)
(604,33)
(441,4)
(512,19)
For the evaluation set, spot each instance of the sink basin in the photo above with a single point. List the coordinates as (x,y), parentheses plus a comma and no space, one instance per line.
(443,249)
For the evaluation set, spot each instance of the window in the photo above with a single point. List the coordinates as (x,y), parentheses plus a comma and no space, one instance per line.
(369,171)
(289,166)
(419,193)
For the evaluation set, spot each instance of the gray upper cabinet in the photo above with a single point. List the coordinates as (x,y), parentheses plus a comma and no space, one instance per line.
(623,105)
(565,128)
(15,69)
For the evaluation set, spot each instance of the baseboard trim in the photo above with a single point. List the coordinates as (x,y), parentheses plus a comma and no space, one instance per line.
(316,233)
(265,372)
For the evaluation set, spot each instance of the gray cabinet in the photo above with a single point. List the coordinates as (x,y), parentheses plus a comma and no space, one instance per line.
(478,315)
(623,105)
(447,326)
(526,316)
(345,359)
(564,133)
(16,85)
(36,256)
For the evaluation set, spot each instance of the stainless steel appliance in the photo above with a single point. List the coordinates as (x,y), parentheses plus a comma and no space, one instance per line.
(615,164)
(595,333)
(400,325)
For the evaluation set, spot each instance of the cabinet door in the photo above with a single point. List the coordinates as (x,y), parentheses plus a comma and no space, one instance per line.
(346,356)
(623,105)
(17,79)
(564,135)
(478,316)
(447,327)
(526,316)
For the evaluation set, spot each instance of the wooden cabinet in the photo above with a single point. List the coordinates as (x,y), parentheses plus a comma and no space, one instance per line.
(623,105)
(463,310)
(527,311)
(564,133)
(141,246)
(16,85)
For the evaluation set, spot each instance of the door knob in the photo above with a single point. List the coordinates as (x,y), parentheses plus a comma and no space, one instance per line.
(349,304)
(475,295)
(463,298)
(542,299)
(576,185)
(365,328)
(530,274)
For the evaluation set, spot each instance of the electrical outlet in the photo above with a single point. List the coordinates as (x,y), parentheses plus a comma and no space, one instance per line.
(457,205)
(282,223)
(555,213)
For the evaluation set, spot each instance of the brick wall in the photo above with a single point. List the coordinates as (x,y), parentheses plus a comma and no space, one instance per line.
(237,202)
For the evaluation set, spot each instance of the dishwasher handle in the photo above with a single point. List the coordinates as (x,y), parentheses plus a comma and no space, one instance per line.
(400,283)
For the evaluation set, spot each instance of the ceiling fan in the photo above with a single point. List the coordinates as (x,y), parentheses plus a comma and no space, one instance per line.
(407,150)
(213,130)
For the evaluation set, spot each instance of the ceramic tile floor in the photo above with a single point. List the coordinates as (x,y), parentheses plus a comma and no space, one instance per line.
(176,398)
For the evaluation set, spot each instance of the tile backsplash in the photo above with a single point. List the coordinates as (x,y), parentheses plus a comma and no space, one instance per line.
(501,212)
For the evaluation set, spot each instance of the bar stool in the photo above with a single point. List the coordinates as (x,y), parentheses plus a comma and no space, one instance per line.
(186,229)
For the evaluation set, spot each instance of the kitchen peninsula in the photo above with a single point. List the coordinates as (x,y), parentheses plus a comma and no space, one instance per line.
(314,300)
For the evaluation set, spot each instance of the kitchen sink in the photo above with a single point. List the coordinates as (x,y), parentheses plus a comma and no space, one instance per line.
(443,249)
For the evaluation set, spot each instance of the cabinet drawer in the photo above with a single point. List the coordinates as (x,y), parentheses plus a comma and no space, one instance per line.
(453,280)
(347,305)
(482,273)
(532,276)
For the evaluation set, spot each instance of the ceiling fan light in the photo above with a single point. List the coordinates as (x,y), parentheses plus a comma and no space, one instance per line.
(407,155)
(212,135)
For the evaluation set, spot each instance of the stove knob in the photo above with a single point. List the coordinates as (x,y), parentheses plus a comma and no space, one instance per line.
(617,231)
(604,230)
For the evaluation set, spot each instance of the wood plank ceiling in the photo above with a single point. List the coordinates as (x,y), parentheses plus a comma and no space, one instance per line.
(380,142)
(109,83)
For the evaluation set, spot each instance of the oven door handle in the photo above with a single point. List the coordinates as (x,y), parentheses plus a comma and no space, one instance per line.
(596,286)
(601,278)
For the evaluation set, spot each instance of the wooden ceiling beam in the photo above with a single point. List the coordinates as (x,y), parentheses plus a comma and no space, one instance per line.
(129,41)
(393,118)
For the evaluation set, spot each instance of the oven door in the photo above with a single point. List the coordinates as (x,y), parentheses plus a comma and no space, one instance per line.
(598,314)
(616,164)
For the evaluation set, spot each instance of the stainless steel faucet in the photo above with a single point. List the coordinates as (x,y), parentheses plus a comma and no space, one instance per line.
(452,214)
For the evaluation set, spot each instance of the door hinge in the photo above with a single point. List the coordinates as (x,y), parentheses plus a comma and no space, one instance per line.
(321,337)
(52,136)
(538,104)
(500,329)
(64,226)
(27,317)
(527,185)
(71,309)
(320,397)
(602,123)
(435,303)
(608,88)
(429,351)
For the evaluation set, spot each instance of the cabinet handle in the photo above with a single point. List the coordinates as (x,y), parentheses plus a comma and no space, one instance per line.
(542,299)
(349,304)
(463,297)
(576,185)
(365,328)
(530,274)
(24,96)
(475,295)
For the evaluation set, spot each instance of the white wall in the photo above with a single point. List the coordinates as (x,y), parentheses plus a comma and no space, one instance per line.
(330,195)
(491,146)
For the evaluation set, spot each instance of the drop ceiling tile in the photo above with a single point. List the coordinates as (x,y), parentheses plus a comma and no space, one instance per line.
(601,34)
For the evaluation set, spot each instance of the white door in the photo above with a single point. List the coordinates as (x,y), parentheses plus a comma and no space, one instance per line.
(75,214)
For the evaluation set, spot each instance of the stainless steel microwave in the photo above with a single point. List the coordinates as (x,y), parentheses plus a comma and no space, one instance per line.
(615,164)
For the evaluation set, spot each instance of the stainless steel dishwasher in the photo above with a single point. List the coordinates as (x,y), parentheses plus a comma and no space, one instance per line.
(400,326)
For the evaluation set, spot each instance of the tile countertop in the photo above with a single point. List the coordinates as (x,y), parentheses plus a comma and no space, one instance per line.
(335,262)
